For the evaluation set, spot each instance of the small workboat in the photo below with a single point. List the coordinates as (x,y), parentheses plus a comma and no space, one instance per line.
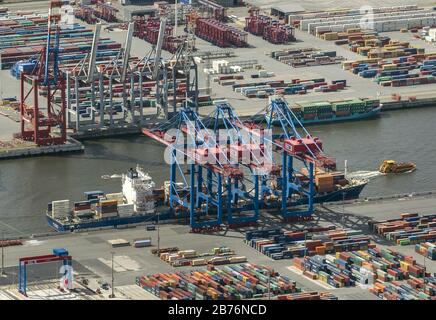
(391,166)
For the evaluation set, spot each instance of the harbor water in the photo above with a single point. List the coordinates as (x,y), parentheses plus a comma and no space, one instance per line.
(27,185)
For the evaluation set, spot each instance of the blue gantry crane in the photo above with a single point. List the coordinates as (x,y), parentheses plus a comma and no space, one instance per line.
(242,201)
(291,183)
(212,183)
(294,144)
(214,188)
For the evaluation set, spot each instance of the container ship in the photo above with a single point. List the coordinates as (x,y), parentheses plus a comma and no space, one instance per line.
(311,113)
(140,201)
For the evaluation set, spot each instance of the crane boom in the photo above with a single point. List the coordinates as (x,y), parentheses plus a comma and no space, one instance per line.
(93,54)
(160,39)
(127,47)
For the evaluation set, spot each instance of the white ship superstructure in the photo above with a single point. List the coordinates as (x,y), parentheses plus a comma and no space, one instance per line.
(138,190)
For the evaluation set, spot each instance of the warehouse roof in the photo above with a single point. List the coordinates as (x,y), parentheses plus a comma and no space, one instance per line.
(288,8)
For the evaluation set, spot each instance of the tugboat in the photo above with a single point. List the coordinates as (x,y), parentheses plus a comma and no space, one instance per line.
(391,166)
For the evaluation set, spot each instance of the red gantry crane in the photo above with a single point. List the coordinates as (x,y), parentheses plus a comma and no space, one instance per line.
(40,115)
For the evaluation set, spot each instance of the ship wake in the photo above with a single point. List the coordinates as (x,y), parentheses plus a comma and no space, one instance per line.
(364,174)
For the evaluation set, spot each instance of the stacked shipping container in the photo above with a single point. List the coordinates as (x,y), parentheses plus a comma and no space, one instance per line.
(246,281)
(217,256)
(22,37)
(279,244)
(306,57)
(426,249)
(219,33)
(297,86)
(148,30)
(409,229)
(405,71)
(271,30)
(412,289)
(364,267)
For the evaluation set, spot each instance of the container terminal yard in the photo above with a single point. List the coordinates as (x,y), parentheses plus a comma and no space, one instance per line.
(308,168)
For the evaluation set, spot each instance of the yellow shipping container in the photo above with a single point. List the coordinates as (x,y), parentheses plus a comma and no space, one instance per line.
(360,50)
(330,36)
(353,30)
(393,48)
(240,23)
(389,66)
(404,266)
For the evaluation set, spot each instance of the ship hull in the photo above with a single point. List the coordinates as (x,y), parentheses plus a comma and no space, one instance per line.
(109,222)
(353,117)
(349,193)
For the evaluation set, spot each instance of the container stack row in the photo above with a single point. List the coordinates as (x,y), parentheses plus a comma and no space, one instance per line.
(216,256)
(229,80)
(412,289)
(85,14)
(10,243)
(303,19)
(271,30)
(97,205)
(409,229)
(360,267)
(229,67)
(307,111)
(371,45)
(308,296)
(405,71)
(382,47)
(106,12)
(392,20)
(99,11)
(426,249)
(22,37)
(264,89)
(278,244)
(306,57)
(220,34)
(242,281)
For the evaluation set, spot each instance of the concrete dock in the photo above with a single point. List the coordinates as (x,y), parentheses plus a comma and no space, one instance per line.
(19,149)
(259,49)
